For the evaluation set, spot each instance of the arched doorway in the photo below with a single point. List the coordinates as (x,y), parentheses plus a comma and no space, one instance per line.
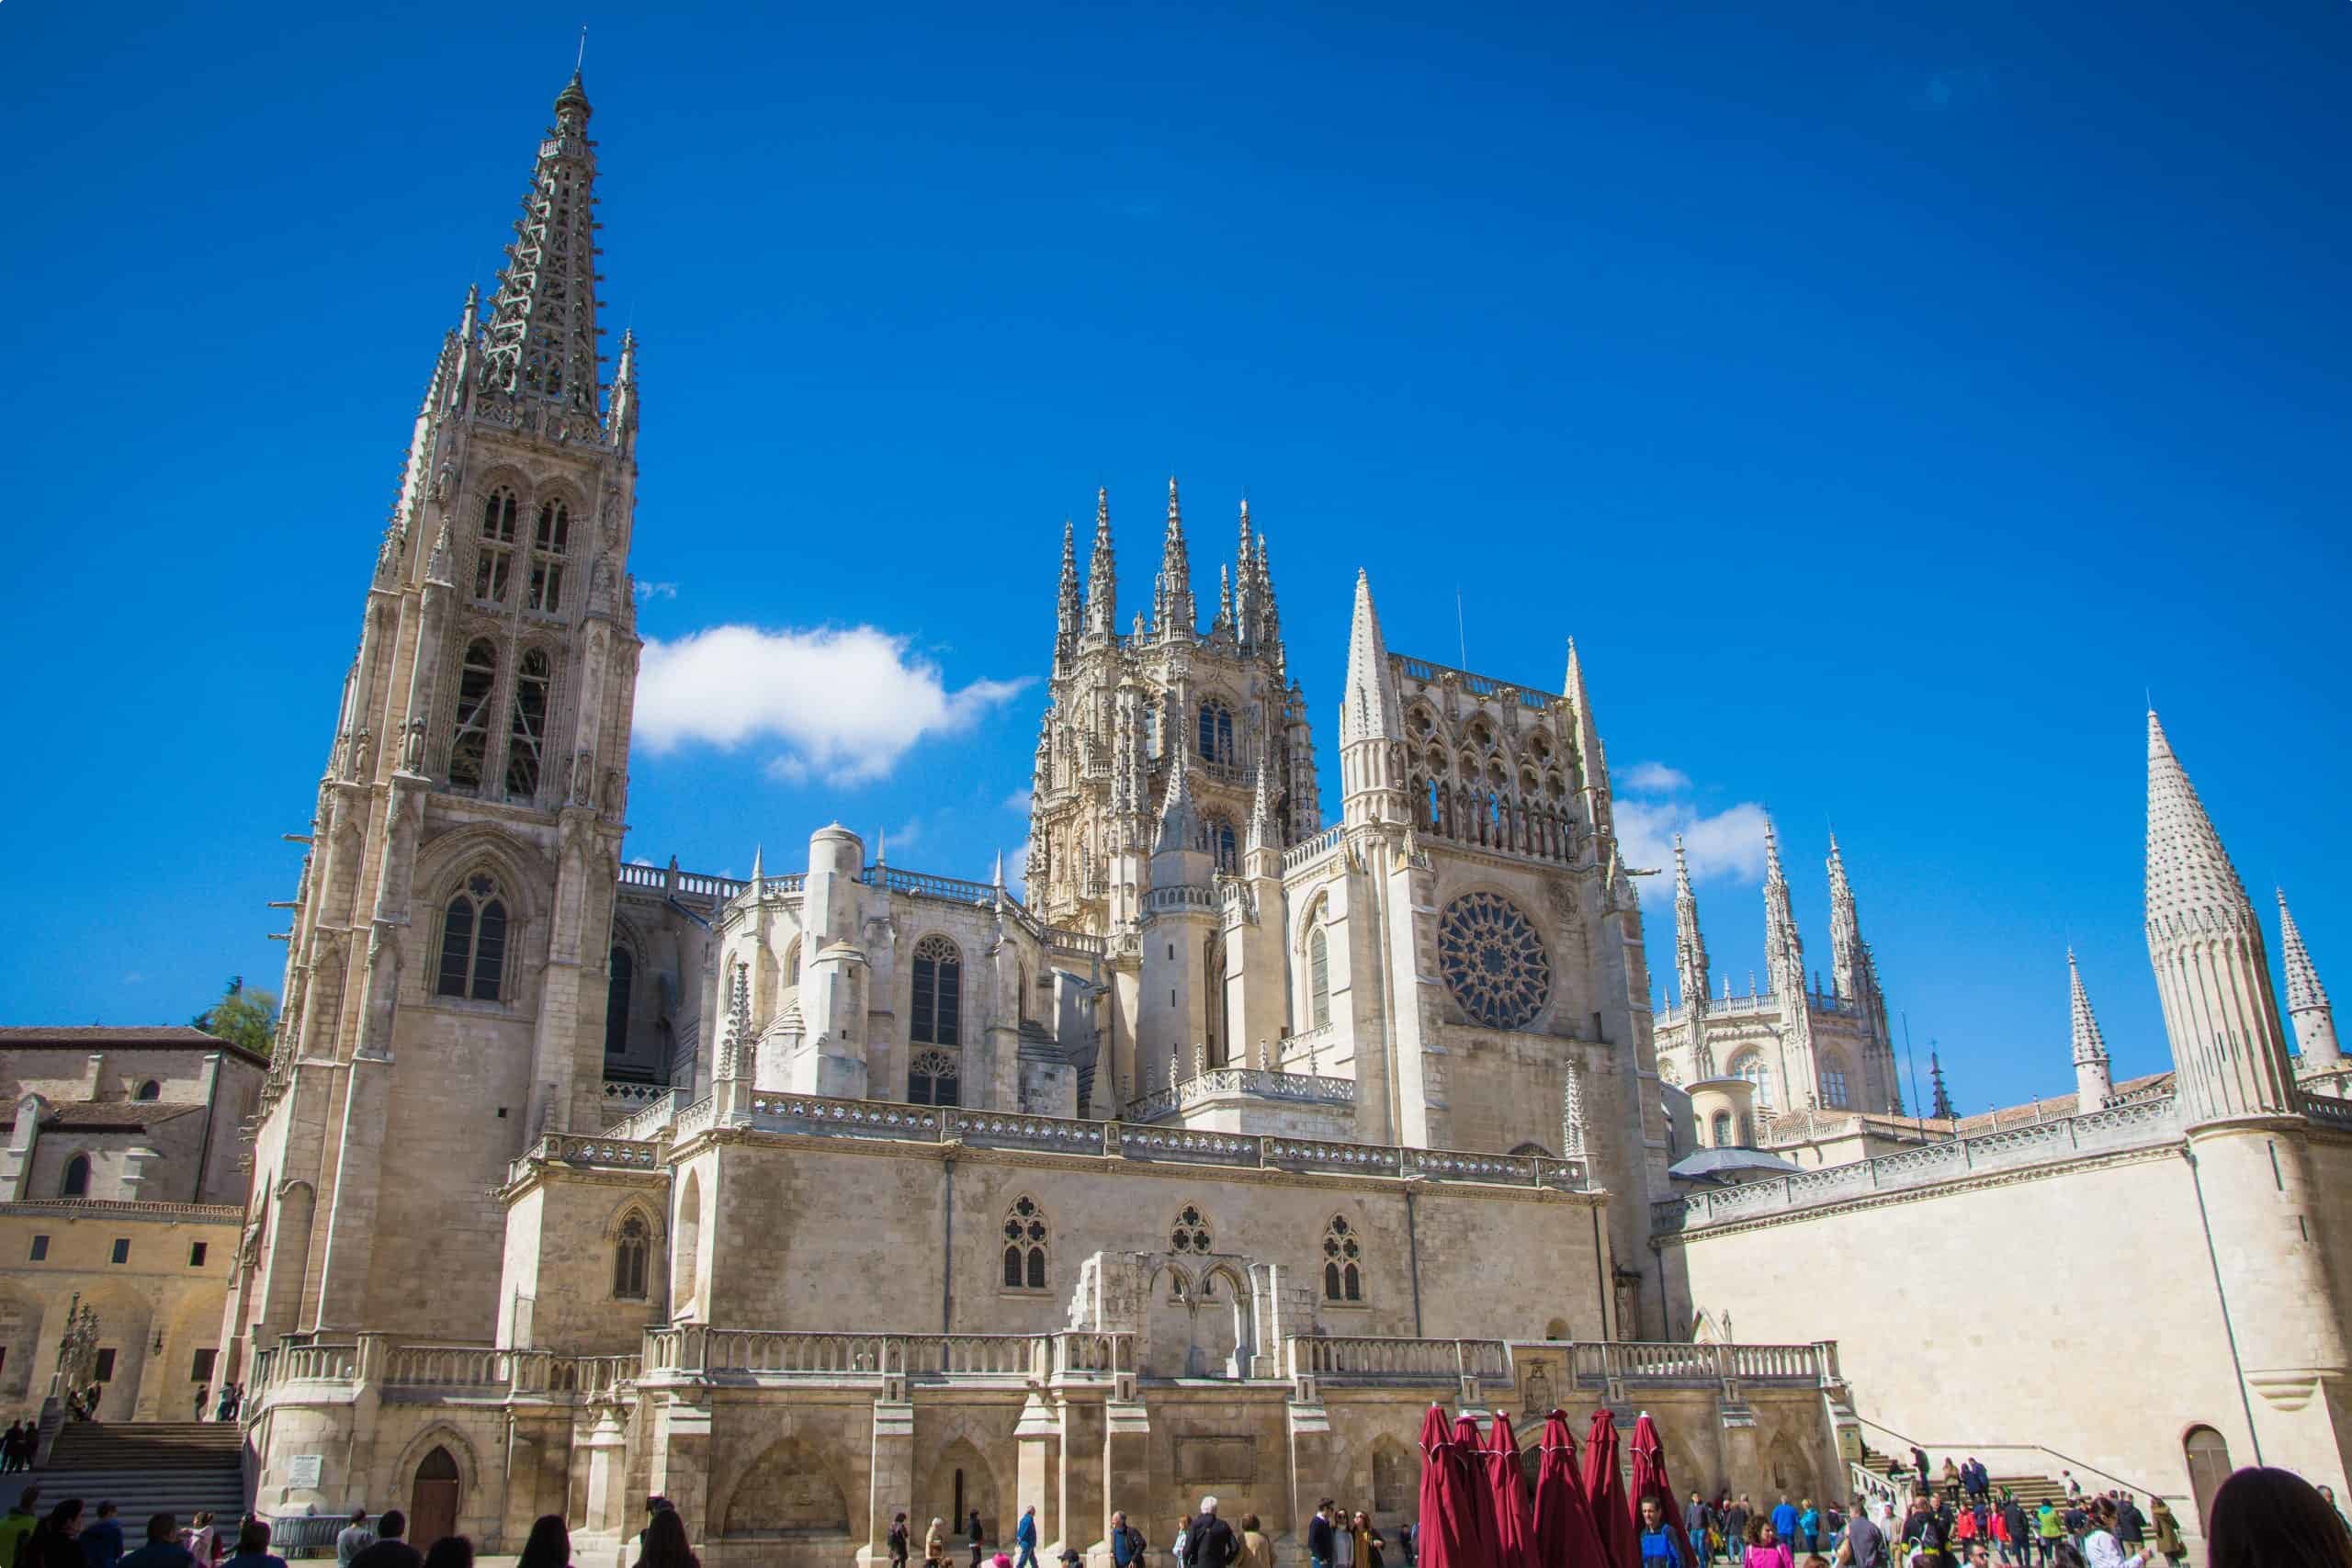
(433,1499)
(2208,1466)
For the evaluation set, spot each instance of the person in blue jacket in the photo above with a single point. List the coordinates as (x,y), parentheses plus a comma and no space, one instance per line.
(1660,1549)
(1024,1535)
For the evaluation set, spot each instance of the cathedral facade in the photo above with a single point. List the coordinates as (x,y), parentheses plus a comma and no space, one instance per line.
(1204,1163)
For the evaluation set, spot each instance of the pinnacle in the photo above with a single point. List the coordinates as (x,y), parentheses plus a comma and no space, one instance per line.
(2089,1045)
(2303,989)
(2190,879)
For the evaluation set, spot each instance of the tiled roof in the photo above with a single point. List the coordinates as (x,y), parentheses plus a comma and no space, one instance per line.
(119,1037)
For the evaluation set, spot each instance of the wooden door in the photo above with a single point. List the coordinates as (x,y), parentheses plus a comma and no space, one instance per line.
(433,1500)
(2208,1466)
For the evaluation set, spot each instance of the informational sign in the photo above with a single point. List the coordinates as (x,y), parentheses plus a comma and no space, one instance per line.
(304,1470)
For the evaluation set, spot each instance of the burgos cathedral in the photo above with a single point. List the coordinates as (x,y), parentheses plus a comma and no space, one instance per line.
(1205,1166)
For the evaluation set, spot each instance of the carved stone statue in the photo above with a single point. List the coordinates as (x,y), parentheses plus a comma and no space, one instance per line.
(583,778)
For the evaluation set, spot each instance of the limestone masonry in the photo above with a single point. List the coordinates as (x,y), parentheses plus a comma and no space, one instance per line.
(1204,1165)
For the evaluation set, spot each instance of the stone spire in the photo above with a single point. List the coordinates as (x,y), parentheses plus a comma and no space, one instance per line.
(1371,709)
(1245,584)
(1592,765)
(2212,967)
(1178,819)
(2093,1080)
(2307,1004)
(622,417)
(1784,961)
(735,1044)
(1102,575)
(542,340)
(1849,959)
(1225,598)
(1066,610)
(1263,858)
(1690,964)
(1176,615)
(1943,1111)
(1271,629)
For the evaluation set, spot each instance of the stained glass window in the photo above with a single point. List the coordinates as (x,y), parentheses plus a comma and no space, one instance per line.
(1493,961)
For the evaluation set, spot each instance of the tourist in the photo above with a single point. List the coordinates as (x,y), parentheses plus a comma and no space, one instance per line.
(1925,1532)
(1736,1517)
(1765,1549)
(549,1543)
(390,1551)
(1321,1537)
(1698,1523)
(1209,1541)
(450,1552)
(2268,1516)
(1256,1551)
(2131,1525)
(1785,1522)
(1024,1535)
(252,1548)
(1368,1543)
(1865,1543)
(1964,1533)
(10,1441)
(663,1542)
(1918,1466)
(1808,1528)
(54,1542)
(102,1539)
(935,1543)
(1660,1549)
(1951,1480)
(203,1540)
(2168,1543)
(1128,1543)
(22,1517)
(973,1534)
(2049,1530)
(2101,1549)
(2017,1532)
(1343,1540)
(353,1538)
(2074,1487)
(163,1548)
(899,1543)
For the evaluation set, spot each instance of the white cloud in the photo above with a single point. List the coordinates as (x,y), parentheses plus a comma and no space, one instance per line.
(657,591)
(846,701)
(905,835)
(1019,800)
(1655,778)
(1723,845)
(1016,870)
(134,979)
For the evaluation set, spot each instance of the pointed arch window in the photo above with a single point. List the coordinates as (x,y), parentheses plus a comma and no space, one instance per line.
(473,942)
(550,545)
(939,995)
(934,1077)
(76,1183)
(1025,1236)
(1749,1065)
(622,969)
(151,1089)
(1342,1262)
(495,553)
(528,732)
(1224,845)
(1722,1129)
(1216,732)
(1833,1083)
(1318,979)
(476,679)
(632,1250)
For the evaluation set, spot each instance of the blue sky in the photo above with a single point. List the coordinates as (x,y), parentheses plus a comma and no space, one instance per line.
(1886,397)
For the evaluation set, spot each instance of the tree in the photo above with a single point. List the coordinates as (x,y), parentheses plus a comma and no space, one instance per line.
(241,1017)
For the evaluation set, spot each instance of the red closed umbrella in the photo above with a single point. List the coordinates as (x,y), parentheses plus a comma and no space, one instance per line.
(1649,1481)
(1564,1533)
(1514,1531)
(1605,1490)
(1478,1509)
(1440,1541)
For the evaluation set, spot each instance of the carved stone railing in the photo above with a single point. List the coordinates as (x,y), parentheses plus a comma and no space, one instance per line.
(624,1095)
(812,1115)
(650,1120)
(1305,1088)
(448,1367)
(2328,1111)
(126,1209)
(1625,1365)
(2138,1124)
(923,884)
(1367,1358)
(293,1370)
(1308,851)
(609,1153)
(1091,1353)
(289,1363)
(1308,1045)
(764,1354)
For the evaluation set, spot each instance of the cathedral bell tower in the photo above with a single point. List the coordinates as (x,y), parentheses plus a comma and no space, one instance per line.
(448,969)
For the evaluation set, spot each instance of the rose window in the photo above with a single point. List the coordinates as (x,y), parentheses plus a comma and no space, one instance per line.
(1493,961)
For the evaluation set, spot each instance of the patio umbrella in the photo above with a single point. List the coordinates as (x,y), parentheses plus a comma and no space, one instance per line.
(1649,1480)
(1479,1507)
(1514,1531)
(1563,1535)
(1605,1489)
(1440,1541)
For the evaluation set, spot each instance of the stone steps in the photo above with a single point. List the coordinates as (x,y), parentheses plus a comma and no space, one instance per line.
(143,1468)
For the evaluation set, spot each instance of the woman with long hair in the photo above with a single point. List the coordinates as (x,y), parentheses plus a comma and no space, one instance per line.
(663,1545)
(549,1546)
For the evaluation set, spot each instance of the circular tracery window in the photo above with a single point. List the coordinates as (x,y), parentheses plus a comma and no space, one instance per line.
(1494,962)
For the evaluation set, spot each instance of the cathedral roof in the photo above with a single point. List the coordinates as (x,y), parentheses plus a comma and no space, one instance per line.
(121,1037)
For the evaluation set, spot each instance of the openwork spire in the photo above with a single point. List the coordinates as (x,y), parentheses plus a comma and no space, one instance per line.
(1784,945)
(1690,945)
(1176,615)
(1177,817)
(1066,610)
(1102,575)
(1263,834)
(541,342)
(2303,989)
(1372,710)
(1849,959)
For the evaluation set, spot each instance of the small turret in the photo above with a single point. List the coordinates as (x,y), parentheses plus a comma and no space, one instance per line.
(2093,1080)
(2307,1005)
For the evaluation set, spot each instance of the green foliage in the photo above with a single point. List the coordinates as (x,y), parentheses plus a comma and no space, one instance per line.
(243,1016)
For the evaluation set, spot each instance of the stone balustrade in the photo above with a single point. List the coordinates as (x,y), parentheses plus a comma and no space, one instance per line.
(821,1116)
(1370,1359)
(1623,1367)
(294,1368)
(608,1151)
(1307,852)
(2137,1123)
(649,1120)
(1306,1089)
(760,1355)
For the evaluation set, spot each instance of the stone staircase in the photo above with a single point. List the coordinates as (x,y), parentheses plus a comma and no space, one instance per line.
(143,1468)
(2031,1490)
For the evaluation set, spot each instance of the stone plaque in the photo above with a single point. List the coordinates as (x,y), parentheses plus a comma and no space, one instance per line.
(1207,1463)
(304,1470)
